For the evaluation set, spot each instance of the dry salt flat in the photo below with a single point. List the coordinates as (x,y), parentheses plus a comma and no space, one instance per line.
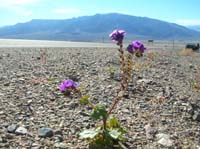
(161,108)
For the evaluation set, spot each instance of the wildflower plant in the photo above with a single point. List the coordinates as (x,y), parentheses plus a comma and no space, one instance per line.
(110,132)
(68,86)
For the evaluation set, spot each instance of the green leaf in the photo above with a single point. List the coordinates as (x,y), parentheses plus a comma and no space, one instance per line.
(51,79)
(99,112)
(86,134)
(115,134)
(107,137)
(113,123)
(84,99)
(111,70)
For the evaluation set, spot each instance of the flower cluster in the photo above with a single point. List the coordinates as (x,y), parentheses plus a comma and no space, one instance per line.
(68,85)
(117,35)
(136,47)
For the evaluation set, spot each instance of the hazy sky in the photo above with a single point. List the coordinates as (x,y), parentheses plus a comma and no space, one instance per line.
(185,12)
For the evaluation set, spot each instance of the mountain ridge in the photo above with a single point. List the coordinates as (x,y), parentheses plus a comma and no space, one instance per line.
(97,28)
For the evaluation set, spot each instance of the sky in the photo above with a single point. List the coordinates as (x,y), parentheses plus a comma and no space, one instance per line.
(183,12)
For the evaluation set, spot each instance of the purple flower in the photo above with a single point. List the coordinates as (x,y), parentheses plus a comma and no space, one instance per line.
(136,46)
(130,48)
(117,35)
(68,84)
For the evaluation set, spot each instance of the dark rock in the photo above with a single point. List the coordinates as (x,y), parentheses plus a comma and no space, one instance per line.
(196,116)
(11,128)
(6,84)
(58,138)
(45,132)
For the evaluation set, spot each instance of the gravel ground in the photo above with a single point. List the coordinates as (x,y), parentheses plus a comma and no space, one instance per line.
(161,109)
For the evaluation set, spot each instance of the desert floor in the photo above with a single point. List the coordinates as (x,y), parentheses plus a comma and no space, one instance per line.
(161,109)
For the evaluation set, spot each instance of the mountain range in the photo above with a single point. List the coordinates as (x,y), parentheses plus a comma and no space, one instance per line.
(194,27)
(97,28)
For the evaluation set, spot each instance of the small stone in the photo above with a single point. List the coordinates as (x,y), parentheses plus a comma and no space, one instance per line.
(164,140)
(58,138)
(150,131)
(117,78)
(61,145)
(191,66)
(2,112)
(45,132)
(196,116)
(35,147)
(6,84)
(58,132)
(93,72)
(21,131)
(11,128)
(127,111)
(144,81)
(159,96)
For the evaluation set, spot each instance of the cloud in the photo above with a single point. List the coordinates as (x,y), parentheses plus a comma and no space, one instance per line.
(188,22)
(67,11)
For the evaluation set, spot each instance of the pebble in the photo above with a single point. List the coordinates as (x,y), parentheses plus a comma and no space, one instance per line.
(164,140)
(45,132)
(61,145)
(21,131)
(196,116)
(11,128)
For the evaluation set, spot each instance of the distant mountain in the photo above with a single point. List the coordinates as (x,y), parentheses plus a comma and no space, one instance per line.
(194,27)
(97,28)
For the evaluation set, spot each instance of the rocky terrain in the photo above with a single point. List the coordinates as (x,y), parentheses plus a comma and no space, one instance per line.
(161,108)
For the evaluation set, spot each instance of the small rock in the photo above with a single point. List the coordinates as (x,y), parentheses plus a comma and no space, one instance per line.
(2,112)
(150,131)
(117,77)
(11,128)
(144,81)
(160,96)
(93,72)
(58,138)
(35,147)
(164,140)
(21,131)
(127,111)
(191,66)
(58,132)
(6,84)
(45,132)
(196,116)
(61,145)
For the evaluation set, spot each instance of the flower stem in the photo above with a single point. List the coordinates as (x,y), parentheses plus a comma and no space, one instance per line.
(104,123)
(123,84)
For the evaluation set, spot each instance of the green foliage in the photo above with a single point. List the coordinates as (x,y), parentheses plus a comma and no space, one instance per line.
(114,124)
(101,137)
(51,79)
(115,134)
(111,70)
(195,84)
(99,112)
(84,99)
(89,134)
